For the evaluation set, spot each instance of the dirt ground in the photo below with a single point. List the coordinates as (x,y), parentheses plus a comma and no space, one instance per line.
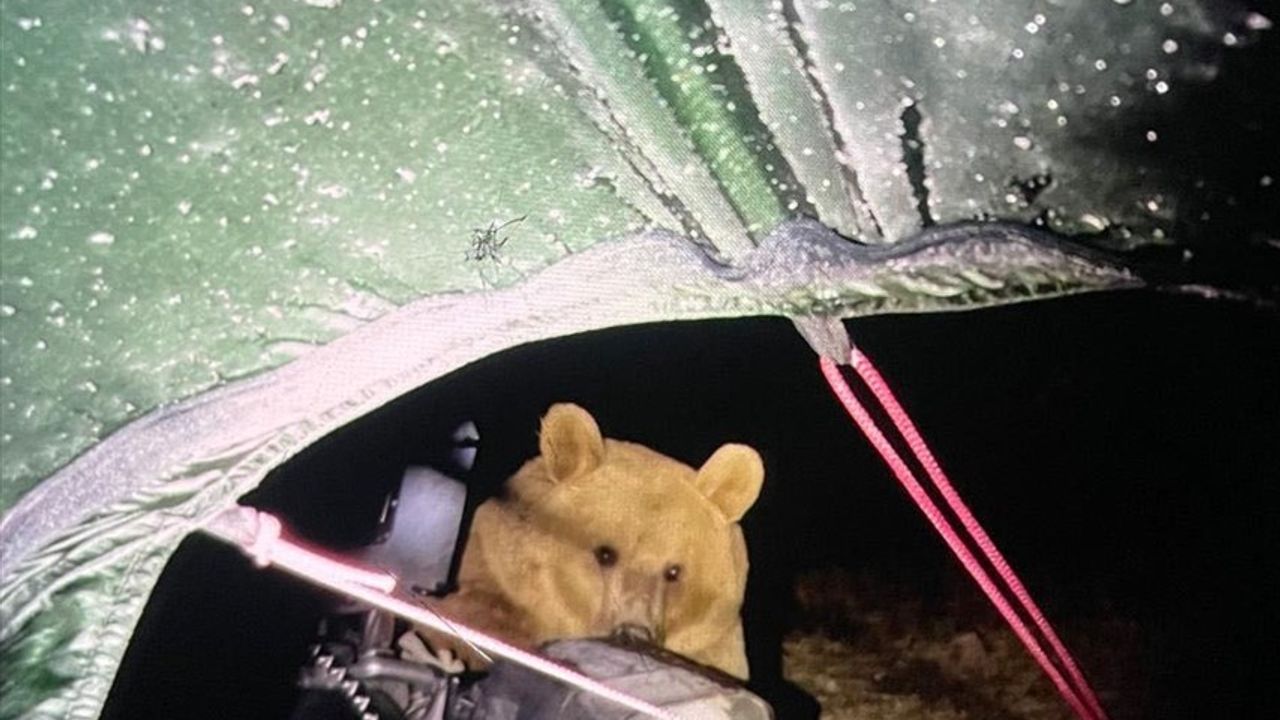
(870,652)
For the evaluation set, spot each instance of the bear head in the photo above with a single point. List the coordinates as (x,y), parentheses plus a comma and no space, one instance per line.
(598,537)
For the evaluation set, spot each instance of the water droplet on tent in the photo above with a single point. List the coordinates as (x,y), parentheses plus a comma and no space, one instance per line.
(333,191)
(1095,222)
(1257,21)
(317,117)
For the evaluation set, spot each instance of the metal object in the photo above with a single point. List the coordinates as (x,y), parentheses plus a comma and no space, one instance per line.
(422,524)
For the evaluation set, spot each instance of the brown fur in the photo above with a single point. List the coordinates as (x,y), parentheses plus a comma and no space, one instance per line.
(532,569)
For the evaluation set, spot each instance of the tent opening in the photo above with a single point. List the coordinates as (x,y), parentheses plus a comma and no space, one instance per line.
(1116,446)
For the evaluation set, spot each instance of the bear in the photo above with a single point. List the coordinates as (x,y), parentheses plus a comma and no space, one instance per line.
(600,537)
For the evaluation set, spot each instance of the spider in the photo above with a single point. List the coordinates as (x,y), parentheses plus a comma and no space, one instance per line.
(487,242)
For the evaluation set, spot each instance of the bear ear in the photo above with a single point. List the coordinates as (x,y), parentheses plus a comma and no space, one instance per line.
(731,479)
(570,442)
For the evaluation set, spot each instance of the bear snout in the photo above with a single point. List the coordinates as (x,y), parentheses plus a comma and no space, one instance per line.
(635,633)
(633,606)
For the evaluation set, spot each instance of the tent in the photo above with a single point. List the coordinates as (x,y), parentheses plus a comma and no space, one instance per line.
(229,230)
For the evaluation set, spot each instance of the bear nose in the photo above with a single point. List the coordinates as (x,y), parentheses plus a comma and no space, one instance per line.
(631,632)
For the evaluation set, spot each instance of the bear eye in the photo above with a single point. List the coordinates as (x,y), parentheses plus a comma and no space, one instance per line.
(606,556)
(672,573)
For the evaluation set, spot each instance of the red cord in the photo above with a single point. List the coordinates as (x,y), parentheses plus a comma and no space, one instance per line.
(1090,711)
(871,376)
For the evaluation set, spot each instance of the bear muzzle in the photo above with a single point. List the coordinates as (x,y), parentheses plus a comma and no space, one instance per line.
(639,634)
(633,608)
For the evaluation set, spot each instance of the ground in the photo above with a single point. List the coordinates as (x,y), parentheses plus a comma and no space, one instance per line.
(867,651)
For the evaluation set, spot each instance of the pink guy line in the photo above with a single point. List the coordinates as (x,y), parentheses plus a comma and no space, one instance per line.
(949,535)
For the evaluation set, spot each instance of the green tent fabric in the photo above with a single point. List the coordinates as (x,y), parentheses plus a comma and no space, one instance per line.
(229,229)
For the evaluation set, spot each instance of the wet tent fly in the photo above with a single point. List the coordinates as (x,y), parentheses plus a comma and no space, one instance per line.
(261,252)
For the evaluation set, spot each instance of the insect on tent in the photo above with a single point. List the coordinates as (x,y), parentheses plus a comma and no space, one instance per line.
(230,229)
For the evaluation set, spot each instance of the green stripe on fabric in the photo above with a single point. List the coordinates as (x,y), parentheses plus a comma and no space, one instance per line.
(707,92)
